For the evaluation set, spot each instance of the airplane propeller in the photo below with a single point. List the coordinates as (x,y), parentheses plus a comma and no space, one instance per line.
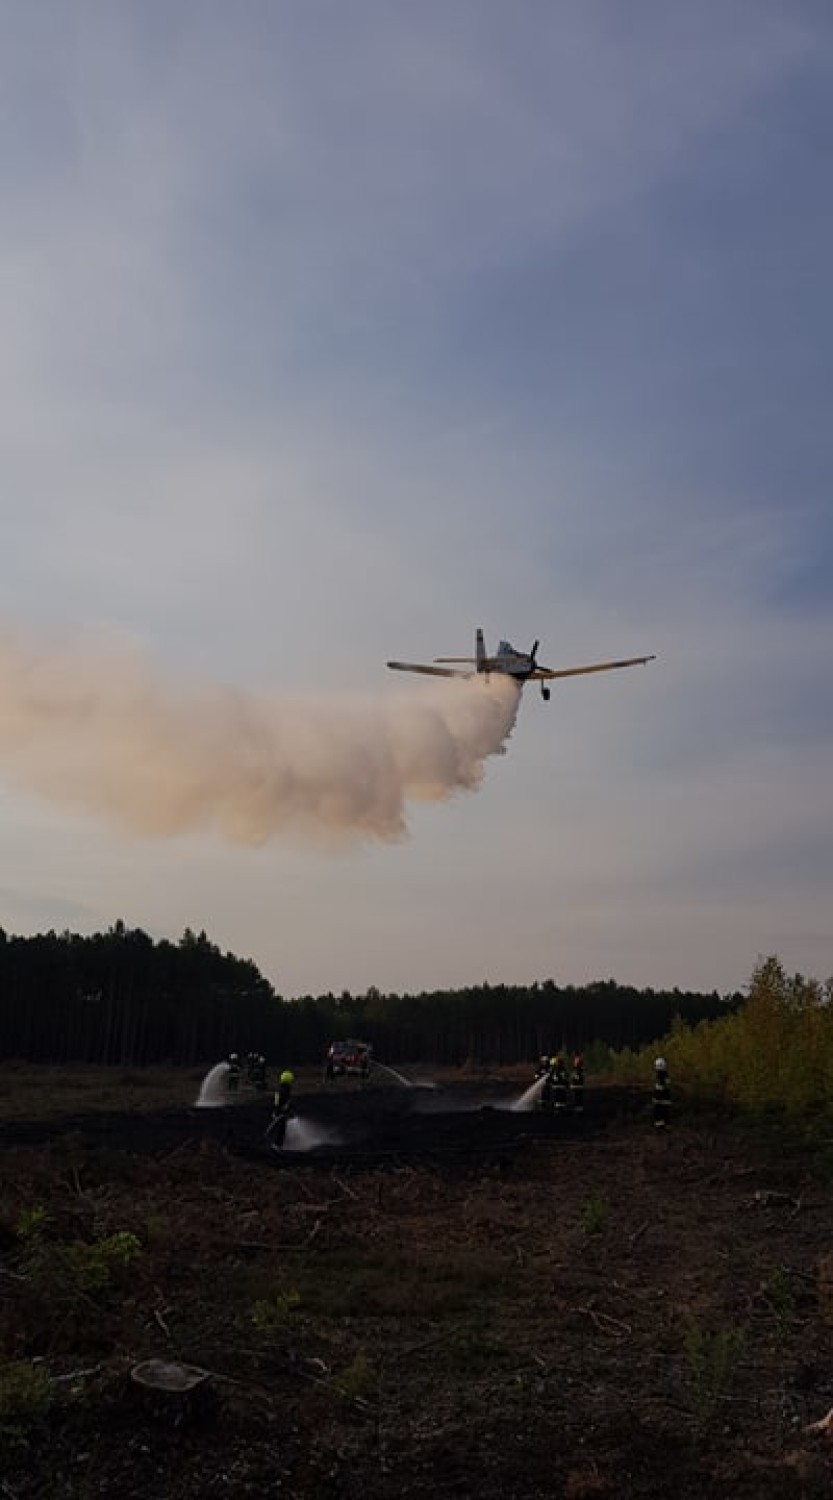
(545,692)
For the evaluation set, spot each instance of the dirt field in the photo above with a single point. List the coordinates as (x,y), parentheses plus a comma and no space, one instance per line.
(443,1298)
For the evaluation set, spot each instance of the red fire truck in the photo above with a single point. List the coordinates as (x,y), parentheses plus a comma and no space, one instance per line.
(348,1059)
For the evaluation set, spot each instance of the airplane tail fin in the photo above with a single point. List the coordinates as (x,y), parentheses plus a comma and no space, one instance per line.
(480,651)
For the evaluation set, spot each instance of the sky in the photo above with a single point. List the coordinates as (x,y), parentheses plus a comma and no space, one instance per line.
(333,332)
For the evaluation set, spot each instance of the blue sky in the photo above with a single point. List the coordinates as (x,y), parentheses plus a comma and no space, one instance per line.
(332,332)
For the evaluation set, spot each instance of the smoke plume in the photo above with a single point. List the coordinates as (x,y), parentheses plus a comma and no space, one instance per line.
(96,728)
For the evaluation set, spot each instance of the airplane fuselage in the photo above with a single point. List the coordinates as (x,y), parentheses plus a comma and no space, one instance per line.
(517,664)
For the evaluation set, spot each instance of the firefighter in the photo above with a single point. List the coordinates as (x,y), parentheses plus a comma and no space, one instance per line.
(546,1096)
(283,1093)
(662,1095)
(259,1072)
(560,1081)
(577,1083)
(281,1110)
(233,1073)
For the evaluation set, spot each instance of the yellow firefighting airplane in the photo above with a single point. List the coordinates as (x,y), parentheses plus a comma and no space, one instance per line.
(520,665)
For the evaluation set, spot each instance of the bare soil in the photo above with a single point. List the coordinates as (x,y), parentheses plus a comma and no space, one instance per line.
(444,1298)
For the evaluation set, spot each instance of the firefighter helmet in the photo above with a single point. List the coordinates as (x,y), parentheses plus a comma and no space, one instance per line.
(287,1077)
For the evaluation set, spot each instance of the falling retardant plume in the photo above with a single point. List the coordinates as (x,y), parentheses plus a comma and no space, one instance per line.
(93,726)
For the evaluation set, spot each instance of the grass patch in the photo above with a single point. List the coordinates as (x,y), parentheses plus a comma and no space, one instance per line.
(26,1395)
(595,1215)
(710,1358)
(384,1285)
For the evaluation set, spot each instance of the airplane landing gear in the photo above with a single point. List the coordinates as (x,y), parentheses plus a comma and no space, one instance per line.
(545,693)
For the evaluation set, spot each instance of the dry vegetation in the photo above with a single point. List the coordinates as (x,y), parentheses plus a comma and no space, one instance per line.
(606,1314)
(38,1093)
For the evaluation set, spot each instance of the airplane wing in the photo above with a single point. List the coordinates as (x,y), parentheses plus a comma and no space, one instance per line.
(411,666)
(603,666)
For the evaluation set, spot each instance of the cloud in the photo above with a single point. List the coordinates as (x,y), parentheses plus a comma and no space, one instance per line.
(97,729)
(236,244)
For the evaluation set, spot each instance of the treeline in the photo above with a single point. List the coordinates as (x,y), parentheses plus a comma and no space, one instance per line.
(119,997)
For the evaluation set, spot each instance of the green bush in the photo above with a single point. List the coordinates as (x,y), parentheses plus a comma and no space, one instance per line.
(270,1313)
(595,1214)
(710,1360)
(30,1224)
(26,1394)
(779,1295)
(358,1381)
(775,1053)
(66,1270)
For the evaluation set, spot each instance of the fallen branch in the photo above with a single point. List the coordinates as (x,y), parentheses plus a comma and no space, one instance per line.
(76,1375)
(825,1425)
(275,1247)
(281,1247)
(159,1311)
(302,1187)
(434,1338)
(313,1232)
(765,1197)
(161,1321)
(600,1319)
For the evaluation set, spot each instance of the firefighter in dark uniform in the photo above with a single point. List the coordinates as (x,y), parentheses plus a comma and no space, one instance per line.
(560,1084)
(662,1095)
(545,1098)
(233,1073)
(577,1083)
(281,1110)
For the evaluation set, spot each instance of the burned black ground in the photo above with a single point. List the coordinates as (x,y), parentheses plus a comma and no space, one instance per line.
(448,1299)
